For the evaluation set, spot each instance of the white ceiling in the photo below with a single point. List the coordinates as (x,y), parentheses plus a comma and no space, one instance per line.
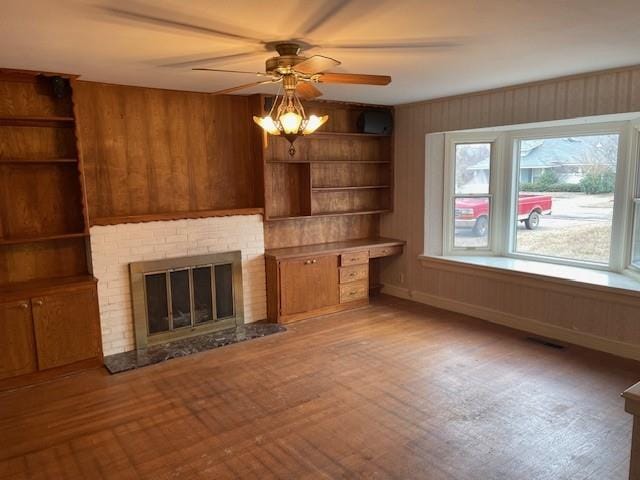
(483,43)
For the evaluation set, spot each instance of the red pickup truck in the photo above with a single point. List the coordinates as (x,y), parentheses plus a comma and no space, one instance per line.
(474,212)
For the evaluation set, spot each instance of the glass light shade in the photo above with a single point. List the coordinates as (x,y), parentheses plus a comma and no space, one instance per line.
(267,124)
(290,122)
(313,123)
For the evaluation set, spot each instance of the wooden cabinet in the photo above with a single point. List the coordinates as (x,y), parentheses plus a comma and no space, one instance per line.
(17,352)
(314,280)
(52,330)
(65,326)
(309,284)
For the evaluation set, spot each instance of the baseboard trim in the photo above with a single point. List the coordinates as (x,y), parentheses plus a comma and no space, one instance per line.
(593,342)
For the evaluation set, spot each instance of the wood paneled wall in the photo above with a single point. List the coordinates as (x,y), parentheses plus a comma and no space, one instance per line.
(150,151)
(599,93)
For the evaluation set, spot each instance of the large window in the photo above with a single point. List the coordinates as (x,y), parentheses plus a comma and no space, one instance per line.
(565,197)
(472,199)
(553,194)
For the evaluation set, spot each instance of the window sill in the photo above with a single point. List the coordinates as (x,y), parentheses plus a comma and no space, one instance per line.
(563,274)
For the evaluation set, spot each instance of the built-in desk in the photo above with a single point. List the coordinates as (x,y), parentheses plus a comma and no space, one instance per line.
(325,278)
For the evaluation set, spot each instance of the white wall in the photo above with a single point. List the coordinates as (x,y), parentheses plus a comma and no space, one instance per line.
(114,247)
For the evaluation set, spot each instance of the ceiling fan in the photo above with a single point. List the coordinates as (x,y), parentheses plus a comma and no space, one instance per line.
(297,74)
(301,73)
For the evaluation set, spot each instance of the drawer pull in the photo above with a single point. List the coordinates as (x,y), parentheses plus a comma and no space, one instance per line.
(314,261)
(24,306)
(353,292)
(37,303)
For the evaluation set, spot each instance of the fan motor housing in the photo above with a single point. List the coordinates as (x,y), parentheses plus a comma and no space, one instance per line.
(283,64)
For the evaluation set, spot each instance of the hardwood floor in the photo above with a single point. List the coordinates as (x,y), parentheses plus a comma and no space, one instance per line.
(397,390)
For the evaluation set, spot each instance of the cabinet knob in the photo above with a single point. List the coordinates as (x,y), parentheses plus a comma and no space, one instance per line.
(37,303)
(24,306)
(314,261)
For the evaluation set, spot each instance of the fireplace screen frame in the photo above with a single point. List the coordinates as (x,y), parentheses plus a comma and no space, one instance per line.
(140,270)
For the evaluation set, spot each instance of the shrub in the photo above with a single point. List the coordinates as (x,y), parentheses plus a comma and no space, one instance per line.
(555,187)
(565,187)
(548,178)
(598,181)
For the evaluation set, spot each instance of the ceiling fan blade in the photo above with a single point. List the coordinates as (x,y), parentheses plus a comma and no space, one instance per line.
(241,87)
(219,58)
(400,44)
(354,78)
(307,91)
(165,22)
(260,74)
(318,19)
(316,64)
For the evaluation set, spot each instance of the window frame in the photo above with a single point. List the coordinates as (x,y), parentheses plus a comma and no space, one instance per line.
(450,195)
(504,171)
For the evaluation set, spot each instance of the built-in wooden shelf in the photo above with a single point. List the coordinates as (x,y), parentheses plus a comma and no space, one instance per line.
(342,182)
(326,162)
(330,214)
(43,238)
(176,216)
(32,287)
(37,161)
(340,189)
(345,134)
(34,121)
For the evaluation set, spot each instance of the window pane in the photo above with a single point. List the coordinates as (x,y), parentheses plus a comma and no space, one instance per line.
(472,222)
(565,203)
(473,168)
(635,252)
(156,297)
(180,298)
(202,295)
(224,290)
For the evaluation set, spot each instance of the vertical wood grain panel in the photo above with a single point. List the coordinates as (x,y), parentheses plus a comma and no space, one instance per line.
(150,151)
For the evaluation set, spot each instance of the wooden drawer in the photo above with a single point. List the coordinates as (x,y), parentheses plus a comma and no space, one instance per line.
(354,258)
(385,251)
(354,291)
(354,273)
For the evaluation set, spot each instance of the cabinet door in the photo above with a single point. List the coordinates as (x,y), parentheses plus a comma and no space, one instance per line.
(308,284)
(17,349)
(66,327)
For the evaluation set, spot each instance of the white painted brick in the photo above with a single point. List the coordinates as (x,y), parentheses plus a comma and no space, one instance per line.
(115,246)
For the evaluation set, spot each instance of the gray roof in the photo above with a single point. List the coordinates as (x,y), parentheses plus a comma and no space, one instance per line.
(545,154)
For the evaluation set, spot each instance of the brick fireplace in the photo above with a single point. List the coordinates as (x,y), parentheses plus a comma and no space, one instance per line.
(114,247)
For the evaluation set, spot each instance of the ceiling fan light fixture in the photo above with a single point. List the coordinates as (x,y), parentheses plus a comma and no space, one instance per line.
(313,123)
(290,123)
(267,124)
(290,118)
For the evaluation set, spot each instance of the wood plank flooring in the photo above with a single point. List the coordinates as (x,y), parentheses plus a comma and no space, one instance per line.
(394,391)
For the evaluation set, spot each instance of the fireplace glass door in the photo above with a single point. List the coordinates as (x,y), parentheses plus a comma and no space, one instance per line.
(180,297)
(187,297)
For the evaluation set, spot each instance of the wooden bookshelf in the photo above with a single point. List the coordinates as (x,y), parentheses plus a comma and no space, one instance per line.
(37,161)
(336,172)
(48,296)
